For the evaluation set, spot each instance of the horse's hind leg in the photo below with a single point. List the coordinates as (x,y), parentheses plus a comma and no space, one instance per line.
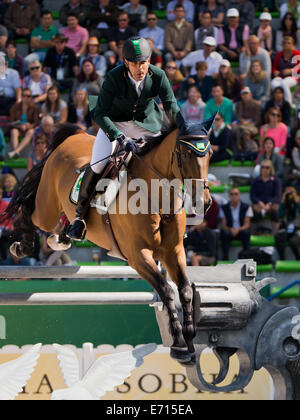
(26,228)
(147,268)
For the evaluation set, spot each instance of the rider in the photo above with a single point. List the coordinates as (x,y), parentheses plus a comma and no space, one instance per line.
(126,110)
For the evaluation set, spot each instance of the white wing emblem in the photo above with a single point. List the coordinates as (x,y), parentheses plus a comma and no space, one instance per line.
(104,375)
(15,374)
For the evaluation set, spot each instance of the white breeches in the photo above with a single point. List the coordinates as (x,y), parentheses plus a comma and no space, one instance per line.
(103,147)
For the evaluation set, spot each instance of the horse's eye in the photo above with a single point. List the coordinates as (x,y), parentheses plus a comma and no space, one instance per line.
(186,154)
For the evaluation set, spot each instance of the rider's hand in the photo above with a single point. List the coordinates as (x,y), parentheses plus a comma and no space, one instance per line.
(127,143)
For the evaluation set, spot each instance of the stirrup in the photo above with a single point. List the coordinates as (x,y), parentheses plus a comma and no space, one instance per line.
(75,238)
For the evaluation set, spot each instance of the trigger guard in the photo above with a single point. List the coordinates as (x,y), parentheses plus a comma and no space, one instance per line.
(243,378)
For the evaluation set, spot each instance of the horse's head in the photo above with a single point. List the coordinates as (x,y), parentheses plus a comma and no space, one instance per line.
(193,151)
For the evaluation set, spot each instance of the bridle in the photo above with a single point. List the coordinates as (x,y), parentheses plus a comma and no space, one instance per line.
(192,142)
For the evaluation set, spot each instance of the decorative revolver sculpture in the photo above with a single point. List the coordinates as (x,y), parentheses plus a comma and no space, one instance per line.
(234,318)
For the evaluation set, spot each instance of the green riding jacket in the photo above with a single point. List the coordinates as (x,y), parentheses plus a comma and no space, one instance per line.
(118,101)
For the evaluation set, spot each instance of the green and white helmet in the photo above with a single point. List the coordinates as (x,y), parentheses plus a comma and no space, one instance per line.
(136,49)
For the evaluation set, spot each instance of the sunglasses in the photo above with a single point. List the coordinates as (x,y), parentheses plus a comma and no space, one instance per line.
(171,67)
(35,68)
(27,96)
(275,115)
(151,19)
(265,167)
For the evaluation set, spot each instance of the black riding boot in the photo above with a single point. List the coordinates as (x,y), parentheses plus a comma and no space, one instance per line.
(89,181)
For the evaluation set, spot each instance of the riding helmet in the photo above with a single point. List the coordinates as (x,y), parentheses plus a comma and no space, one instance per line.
(136,49)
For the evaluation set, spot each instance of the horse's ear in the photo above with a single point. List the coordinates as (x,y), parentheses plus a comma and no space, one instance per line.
(206,126)
(181,124)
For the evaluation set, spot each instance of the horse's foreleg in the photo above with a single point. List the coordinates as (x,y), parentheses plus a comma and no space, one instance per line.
(176,267)
(145,265)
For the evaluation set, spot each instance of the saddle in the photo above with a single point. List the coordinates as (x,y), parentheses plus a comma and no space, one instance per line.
(117,164)
(102,200)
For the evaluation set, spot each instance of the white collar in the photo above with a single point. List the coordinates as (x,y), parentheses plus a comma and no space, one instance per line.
(137,85)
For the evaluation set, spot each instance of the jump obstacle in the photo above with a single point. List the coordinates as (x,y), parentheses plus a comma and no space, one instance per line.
(231,317)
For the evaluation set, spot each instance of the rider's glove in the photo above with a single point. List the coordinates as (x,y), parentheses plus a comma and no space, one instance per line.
(127,143)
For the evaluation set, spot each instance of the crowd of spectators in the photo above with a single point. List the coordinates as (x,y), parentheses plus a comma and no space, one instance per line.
(217,56)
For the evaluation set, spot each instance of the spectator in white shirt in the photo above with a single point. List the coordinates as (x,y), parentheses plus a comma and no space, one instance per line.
(207,54)
(188,7)
(154,32)
(10,89)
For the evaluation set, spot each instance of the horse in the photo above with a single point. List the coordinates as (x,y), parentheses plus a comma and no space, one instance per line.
(142,238)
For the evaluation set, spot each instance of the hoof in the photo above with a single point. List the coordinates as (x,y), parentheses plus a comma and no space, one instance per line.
(191,362)
(53,242)
(15,250)
(181,354)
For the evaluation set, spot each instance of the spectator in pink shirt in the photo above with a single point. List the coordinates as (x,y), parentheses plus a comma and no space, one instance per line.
(77,35)
(275,129)
(233,36)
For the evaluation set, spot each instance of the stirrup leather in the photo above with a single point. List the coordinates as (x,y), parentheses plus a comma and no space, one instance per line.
(78,219)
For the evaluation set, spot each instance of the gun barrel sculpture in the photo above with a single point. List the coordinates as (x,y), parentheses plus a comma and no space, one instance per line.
(233,318)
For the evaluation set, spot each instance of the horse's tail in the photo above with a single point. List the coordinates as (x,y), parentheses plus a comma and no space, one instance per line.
(23,200)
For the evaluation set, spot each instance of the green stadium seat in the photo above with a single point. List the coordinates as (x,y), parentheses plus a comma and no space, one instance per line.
(102,263)
(86,264)
(21,41)
(84,244)
(287,266)
(223,164)
(218,188)
(55,14)
(264,268)
(113,263)
(292,293)
(161,14)
(235,64)
(236,243)
(247,163)
(222,262)
(20,163)
(262,240)
(244,189)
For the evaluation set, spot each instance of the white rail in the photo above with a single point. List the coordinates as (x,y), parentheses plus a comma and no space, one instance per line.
(43,272)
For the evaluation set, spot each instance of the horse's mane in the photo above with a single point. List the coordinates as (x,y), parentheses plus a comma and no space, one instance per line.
(154,141)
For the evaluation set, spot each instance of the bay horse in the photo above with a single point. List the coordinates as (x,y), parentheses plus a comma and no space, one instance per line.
(143,238)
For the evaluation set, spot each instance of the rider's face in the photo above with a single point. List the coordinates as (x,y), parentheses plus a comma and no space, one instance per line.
(138,70)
